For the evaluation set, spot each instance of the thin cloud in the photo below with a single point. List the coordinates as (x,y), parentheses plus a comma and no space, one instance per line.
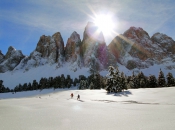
(61,15)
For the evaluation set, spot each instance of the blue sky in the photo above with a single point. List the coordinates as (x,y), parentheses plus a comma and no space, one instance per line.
(22,22)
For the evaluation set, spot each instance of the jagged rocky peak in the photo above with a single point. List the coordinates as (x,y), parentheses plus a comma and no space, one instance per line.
(13,53)
(136,32)
(135,48)
(92,32)
(1,57)
(164,41)
(9,52)
(51,47)
(72,49)
(138,35)
(75,37)
(11,59)
(94,50)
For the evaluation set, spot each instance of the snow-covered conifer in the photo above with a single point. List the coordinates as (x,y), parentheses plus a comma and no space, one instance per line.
(83,84)
(152,81)
(170,80)
(142,81)
(114,80)
(161,79)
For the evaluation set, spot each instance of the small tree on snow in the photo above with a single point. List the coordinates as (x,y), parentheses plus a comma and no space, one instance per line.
(133,81)
(161,79)
(170,80)
(114,80)
(142,81)
(83,84)
(152,81)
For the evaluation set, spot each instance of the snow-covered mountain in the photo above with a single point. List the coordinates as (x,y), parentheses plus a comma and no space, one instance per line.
(135,49)
(95,53)
(72,51)
(132,51)
(90,52)
(10,60)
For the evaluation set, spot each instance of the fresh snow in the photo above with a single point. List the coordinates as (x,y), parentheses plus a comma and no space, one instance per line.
(134,109)
(13,78)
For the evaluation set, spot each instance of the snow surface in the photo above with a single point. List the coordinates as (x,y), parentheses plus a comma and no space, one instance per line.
(134,109)
(13,78)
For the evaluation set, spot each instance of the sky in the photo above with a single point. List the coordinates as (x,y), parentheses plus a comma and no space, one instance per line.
(22,22)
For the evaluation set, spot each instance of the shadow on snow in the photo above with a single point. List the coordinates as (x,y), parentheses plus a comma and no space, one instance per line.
(124,93)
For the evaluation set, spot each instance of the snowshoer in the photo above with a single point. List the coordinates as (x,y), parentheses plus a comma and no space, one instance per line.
(72,95)
(78,97)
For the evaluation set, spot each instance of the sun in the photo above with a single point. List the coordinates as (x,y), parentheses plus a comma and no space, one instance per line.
(104,24)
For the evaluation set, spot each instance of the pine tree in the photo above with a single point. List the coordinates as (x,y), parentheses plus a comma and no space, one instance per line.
(96,80)
(114,83)
(170,80)
(83,84)
(24,87)
(161,79)
(57,82)
(123,81)
(91,86)
(29,86)
(133,81)
(152,81)
(2,88)
(68,81)
(142,81)
(6,90)
(20,87)
(41,84)
(50,82)
(75,81)
(34,85)
(62,81)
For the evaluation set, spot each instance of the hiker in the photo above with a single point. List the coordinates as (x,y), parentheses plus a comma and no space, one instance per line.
(72,95)
(78,97)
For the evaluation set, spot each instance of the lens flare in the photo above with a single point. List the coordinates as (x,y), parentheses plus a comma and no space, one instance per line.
(104,23)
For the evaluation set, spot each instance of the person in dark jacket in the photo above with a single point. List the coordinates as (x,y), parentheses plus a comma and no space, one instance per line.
(78,97)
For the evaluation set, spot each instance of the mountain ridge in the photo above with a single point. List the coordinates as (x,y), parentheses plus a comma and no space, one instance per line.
(134,49)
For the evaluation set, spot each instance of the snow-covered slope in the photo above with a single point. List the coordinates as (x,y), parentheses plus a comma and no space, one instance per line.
(143,109)
(13,78)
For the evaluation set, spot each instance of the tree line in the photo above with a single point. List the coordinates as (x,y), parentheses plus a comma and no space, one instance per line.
(115,81)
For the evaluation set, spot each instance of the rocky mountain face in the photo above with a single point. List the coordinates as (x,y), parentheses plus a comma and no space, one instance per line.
(72,51)
(1,57)
(51,48)
(132,49)
(94,50)
(10,60)
(135,48)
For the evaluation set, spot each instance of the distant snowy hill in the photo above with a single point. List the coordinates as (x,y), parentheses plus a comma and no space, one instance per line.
(132,51)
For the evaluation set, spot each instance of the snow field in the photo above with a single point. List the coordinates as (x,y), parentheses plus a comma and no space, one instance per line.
(134,109)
